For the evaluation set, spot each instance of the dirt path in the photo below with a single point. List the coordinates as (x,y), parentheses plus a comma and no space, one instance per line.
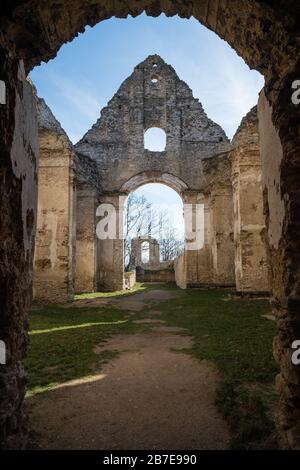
(150,397)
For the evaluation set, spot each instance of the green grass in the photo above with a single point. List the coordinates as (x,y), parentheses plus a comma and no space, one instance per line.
(62,342)
(138,287)
(231,334)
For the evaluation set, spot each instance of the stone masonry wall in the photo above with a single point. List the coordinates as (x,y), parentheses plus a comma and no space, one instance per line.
(55,239)
(266,34)
(18,202)
(193,162)
(116,141)
(249,221)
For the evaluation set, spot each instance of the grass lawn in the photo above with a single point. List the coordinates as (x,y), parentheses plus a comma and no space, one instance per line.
(230,333)
(138,287)
(234,336)
(62,342)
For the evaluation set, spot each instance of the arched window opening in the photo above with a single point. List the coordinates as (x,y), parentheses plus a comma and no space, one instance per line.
(145,252)
(155,139)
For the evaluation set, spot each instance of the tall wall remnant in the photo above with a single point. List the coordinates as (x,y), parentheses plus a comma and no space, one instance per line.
(219,182)
(194,163)
(55,239)
(151,270)
(249,222)
(87,197)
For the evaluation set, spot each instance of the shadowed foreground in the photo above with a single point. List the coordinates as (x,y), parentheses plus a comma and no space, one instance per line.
(159,368)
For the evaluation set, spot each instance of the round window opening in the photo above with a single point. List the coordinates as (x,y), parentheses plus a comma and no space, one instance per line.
(154,80)
(155,139)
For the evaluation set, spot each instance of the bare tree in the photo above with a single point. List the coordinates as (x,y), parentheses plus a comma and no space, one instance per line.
(137,223)
(142,219)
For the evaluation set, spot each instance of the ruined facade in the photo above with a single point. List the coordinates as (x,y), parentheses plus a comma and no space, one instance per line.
(219,182)
(266,35)
(194,163)
(251,273)
(54,261)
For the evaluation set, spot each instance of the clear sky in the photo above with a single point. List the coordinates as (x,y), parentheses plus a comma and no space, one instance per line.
(88,71)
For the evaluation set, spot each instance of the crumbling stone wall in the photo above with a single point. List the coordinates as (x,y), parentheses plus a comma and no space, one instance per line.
(153,270)
(288,418)
(194,162)
(249,221)
(266,35)
(18,201)
(55,239)
(87,194)
(136,252)
(116,141)
(86,244)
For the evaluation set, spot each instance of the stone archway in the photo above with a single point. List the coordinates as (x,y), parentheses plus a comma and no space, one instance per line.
(194,163)
(266,35)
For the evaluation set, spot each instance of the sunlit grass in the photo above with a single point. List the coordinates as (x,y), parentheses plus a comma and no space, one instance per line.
(138,287)
(232,334)
(62,342)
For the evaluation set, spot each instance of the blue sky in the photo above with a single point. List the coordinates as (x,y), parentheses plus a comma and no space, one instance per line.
(88,71)
(172,203)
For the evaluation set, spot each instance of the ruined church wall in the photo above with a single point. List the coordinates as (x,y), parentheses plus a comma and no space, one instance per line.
(54,262)
(110,251)
(116,141)
(222,237)
(180,271)
(86,242)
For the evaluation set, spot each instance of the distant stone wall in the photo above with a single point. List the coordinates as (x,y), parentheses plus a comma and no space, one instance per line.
(180,271)
(153,270)
(129,279)
(162,274)
(249,221)
(54,262)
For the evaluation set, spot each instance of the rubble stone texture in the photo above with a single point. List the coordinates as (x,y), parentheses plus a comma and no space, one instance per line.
(266,35)
(55,238)
(194,163)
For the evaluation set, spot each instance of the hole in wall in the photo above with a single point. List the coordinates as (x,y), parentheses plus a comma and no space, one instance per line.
(145,252)
(155,139)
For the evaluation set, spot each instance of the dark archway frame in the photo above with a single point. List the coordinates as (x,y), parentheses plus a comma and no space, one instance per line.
(266,34)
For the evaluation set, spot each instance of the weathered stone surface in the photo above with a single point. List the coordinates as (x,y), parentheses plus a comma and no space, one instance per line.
(283,279)
(194,163)
(56,223)
(116,141)
(18,197)
(152,270)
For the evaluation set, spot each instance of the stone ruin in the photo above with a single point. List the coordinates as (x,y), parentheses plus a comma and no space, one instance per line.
(219,182)
(152,270)
(266,35)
